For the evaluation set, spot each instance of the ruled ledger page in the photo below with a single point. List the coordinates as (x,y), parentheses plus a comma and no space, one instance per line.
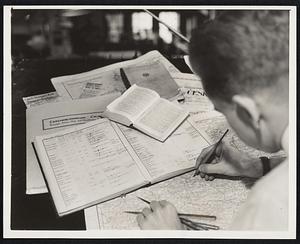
(88,164)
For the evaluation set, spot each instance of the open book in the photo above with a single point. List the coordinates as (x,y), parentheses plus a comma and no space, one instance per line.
(145,110)
(100,160)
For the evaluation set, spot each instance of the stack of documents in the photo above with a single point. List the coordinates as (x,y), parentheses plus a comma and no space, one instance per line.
(61,125)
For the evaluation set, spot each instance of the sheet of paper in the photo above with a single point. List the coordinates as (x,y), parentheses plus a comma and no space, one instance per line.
(153,76)
(109,76)
(220,197)
(52,117)
(42,99)
(177,153)
(194,100)
(87,164)
(187,80)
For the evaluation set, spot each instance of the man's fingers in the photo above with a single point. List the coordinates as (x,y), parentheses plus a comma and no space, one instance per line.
(140,219)
(154,205)
(202,174)
(215,160)
(146,211)
(219,149)
(163,203)
(211,178)
(211,168)
(203,155)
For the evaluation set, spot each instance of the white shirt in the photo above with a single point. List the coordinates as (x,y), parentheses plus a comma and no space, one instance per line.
(266,207)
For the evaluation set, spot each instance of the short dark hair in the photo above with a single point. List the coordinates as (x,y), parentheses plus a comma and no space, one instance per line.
(241,51)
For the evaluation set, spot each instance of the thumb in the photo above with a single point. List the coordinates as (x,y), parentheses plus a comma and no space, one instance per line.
(216,168)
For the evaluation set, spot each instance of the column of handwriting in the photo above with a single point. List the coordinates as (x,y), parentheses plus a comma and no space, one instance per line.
(178,152)
(91,163)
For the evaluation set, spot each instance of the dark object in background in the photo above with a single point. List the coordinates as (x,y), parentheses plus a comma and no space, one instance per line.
(89,33)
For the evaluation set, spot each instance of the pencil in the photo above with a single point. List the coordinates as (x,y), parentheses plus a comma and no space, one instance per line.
(169,27)
(180,214)
(210,156)
(191,224)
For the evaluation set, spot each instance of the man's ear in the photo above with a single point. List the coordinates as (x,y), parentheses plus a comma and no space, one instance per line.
(247,110)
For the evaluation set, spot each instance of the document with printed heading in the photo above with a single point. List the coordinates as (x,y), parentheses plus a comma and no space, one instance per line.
(48,118)
(40,99)
(71,86)
(146,111)
(194,100)
(100,160)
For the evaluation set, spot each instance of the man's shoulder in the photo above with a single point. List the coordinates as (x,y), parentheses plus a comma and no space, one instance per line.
(274,184)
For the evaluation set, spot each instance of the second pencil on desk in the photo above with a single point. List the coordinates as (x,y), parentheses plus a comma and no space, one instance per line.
(180,214)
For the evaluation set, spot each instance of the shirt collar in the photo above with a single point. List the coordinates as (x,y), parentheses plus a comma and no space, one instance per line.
(285,140)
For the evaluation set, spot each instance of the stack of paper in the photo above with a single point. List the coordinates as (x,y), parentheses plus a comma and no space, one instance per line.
(81,98)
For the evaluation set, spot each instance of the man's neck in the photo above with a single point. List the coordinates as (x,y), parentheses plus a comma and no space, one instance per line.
(276,116)
(279,124)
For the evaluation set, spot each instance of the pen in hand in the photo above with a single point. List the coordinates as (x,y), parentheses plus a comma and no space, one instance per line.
(211,154)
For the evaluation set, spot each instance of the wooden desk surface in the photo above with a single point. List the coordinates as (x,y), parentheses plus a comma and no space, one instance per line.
(32,77)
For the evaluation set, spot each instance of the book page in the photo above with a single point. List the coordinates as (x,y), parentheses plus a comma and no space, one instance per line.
(49,118)
(161,119)
(177,154)
(87,164)
(71,86)
(133,102)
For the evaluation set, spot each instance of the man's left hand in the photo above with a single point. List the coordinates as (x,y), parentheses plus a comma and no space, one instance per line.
(161,215)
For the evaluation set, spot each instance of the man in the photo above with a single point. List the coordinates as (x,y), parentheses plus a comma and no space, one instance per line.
(242,58)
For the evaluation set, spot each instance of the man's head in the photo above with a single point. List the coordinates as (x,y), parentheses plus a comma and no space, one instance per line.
(242,59)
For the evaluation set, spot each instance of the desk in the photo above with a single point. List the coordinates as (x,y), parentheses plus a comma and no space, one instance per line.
(32,77)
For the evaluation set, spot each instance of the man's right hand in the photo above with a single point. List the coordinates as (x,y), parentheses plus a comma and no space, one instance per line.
(228,161)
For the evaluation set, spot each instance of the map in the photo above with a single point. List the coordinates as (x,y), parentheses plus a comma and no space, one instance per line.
(189,194)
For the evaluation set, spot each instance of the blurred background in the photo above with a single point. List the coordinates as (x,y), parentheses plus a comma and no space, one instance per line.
(107,34)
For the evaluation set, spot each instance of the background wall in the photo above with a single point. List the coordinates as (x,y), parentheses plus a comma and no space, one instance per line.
(110,34)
